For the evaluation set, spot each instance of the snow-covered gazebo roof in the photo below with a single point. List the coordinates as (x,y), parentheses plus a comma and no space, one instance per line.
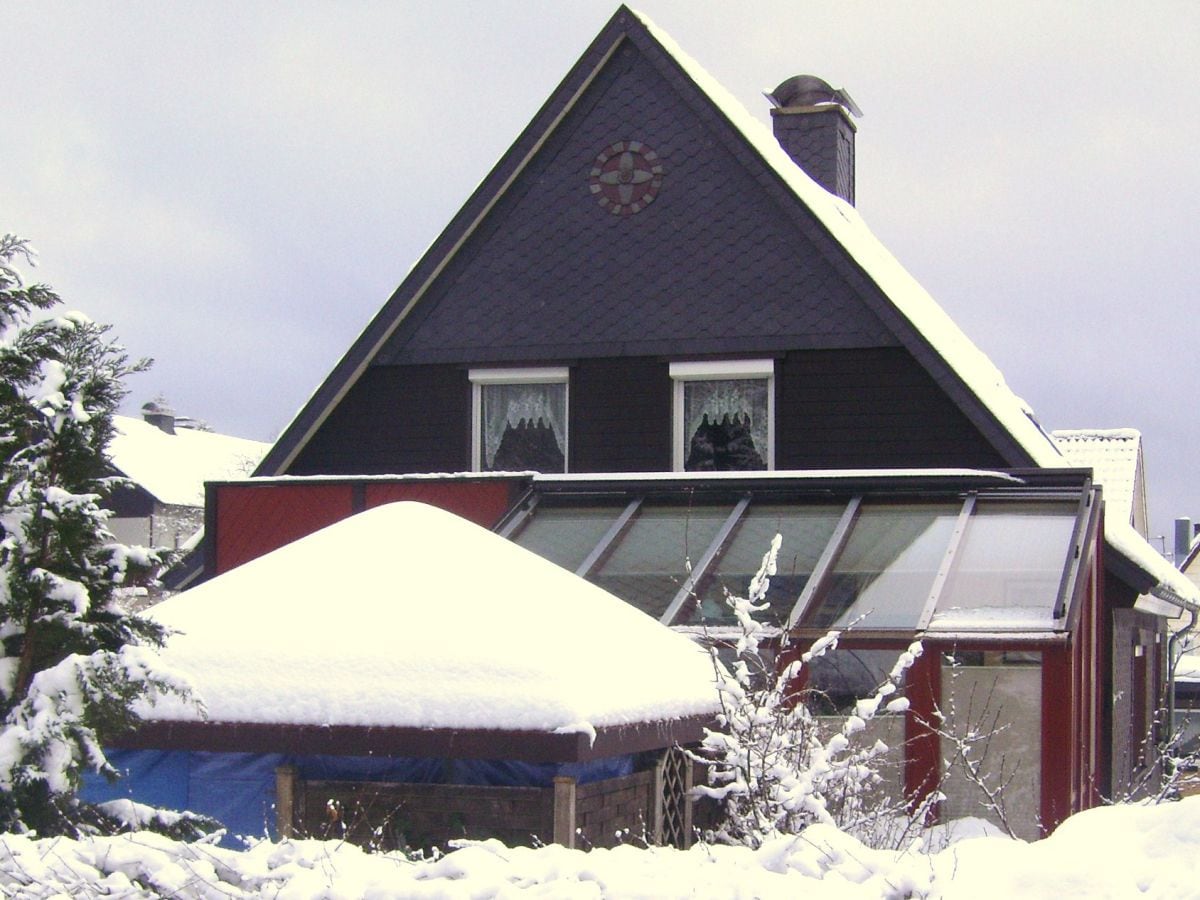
(407,629)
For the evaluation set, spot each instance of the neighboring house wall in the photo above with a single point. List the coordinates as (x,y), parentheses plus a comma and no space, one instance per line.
(140,519)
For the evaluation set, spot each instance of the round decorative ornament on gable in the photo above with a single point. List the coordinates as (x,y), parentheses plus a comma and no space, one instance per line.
(626,177)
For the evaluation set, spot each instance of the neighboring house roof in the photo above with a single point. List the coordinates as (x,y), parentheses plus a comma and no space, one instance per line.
(1190,559)
(173,467)
(1115,457)
(461,629)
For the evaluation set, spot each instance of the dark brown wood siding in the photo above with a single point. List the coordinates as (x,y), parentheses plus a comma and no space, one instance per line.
(396,419)
(849,408)
(620,417)
(869,408)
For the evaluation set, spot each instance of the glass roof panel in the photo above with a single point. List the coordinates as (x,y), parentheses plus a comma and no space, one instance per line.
(648,564)
(805,530)
(1008,568)
(566,535)
(887,568)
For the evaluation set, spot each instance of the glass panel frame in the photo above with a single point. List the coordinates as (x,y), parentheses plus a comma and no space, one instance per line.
(1016,553)
(863,564)
(648,566)
(806,530)
(568,535)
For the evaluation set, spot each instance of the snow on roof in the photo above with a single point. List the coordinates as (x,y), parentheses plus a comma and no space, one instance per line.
(846,225)
(1113,455)
(406,615)
(174,467)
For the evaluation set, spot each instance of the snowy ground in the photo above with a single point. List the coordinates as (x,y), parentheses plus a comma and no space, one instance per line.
(1125,851)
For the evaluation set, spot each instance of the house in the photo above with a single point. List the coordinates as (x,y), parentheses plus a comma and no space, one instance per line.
(406,660)
(167,459)
(1116,459)
(678,320)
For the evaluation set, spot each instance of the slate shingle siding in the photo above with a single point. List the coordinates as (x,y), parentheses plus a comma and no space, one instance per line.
(714,265)
(822,143)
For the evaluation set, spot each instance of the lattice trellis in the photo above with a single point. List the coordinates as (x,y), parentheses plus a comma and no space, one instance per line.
(674,782)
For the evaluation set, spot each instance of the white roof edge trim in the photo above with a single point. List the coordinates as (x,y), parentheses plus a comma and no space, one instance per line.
(973,367)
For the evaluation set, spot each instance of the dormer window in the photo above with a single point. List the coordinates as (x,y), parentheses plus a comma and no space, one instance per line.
(519,420)
(724,415)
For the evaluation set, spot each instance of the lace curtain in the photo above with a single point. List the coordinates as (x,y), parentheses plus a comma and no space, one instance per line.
(725,424)
(524,427)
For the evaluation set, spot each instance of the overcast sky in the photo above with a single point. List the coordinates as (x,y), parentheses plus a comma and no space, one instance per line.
(237,187)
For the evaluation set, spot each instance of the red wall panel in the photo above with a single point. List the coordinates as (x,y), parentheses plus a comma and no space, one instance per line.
(255,519)
(481,502)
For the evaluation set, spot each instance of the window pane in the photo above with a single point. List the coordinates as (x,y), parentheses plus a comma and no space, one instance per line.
(1008,568)
(840,678)
(805,531)
(648,565)
(725,424)
(524,427)
(566,536)
(887,568)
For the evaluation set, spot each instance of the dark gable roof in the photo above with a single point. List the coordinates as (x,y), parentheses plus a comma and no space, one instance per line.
(785,232)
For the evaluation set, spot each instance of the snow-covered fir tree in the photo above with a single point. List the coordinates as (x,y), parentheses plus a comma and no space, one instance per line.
(72,664)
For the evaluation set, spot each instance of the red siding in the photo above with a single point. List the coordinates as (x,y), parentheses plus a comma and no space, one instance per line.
(481,502)
(255,519)
(922,761)
(1059,742)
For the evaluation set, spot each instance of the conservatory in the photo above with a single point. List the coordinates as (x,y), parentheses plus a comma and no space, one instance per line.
(996,573)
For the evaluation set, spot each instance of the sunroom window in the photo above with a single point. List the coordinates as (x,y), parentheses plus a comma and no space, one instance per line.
(724,415)
(519,420)
(889,565)
(1008,567)
(884,575)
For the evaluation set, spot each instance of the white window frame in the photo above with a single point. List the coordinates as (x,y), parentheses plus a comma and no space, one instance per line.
(537,375)
(720,370)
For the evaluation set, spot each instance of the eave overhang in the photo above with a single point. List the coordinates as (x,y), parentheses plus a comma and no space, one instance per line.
(438,743)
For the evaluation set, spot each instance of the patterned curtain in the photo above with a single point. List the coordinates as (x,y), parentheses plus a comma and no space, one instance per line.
(524,427)
(725,423)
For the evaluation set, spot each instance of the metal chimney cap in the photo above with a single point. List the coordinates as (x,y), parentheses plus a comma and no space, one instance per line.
(158,407)
(809,91)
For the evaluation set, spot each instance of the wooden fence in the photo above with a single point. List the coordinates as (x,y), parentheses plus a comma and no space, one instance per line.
(650,806)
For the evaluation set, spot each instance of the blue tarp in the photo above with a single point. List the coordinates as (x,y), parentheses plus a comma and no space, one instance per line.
(238,789)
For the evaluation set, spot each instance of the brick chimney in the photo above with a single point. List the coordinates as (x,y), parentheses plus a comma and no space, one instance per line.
(812,122)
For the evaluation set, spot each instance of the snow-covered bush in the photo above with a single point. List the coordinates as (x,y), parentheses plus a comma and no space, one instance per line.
(72,664)
(776,767)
